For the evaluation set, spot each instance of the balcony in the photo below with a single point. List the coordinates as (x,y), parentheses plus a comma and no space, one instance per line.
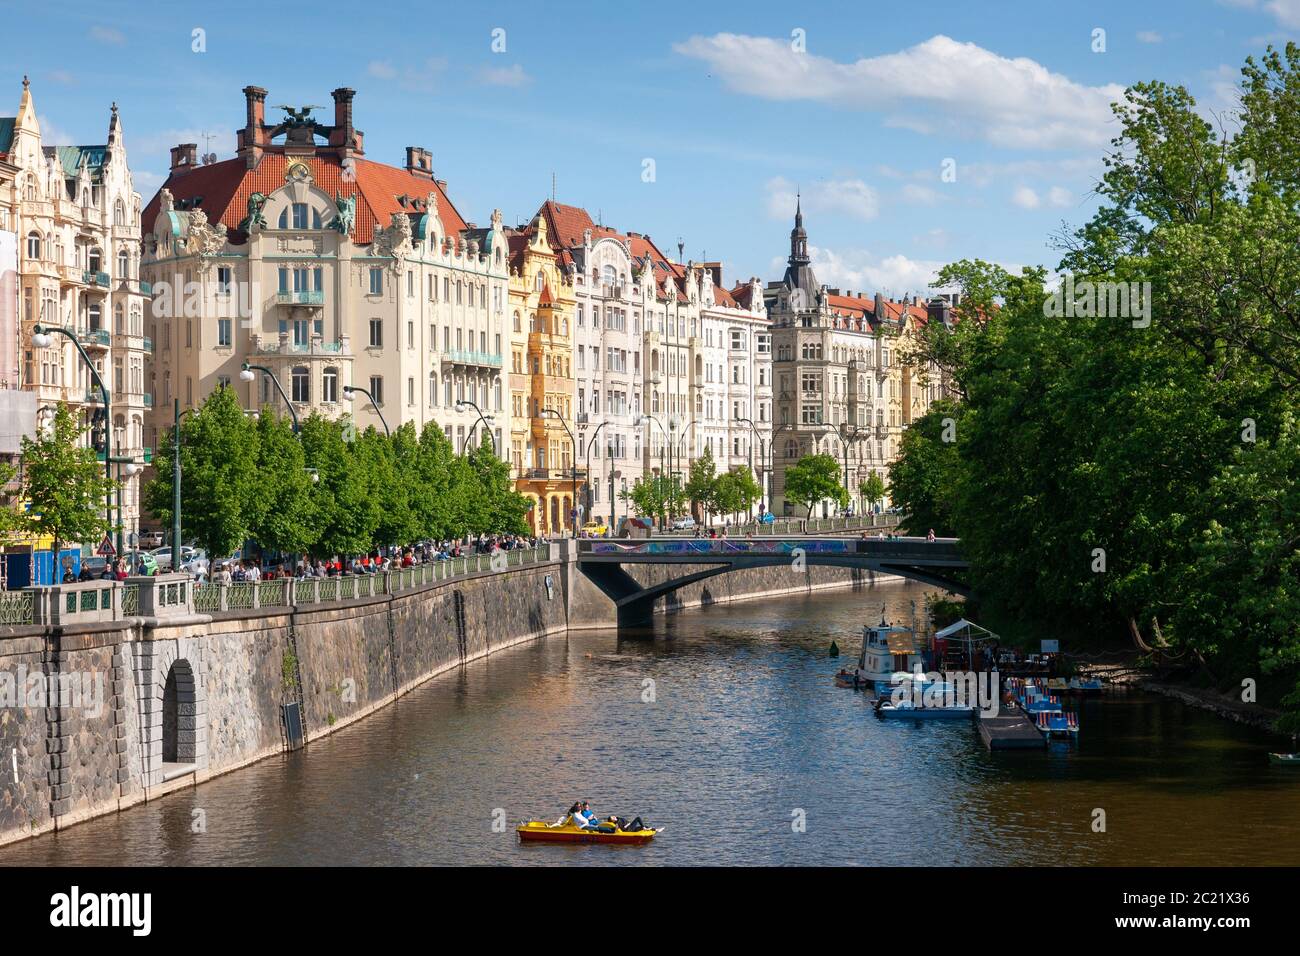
(95,337)
(148,400)
(147,345)
(284,345)
(94,397)
(300,298)
(95,278)
(463,357)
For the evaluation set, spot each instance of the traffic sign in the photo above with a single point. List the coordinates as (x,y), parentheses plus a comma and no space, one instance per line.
(106,546)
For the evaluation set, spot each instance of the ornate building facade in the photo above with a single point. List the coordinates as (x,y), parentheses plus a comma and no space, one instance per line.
(76,216)
(541,455)
(839,385)
(330,271)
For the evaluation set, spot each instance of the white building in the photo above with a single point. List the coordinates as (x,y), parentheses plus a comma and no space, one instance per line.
(76,215)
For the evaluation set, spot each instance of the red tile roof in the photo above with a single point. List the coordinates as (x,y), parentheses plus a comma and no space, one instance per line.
(224,189)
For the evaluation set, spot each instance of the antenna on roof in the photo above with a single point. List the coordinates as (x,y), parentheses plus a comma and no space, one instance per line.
(681,248)
(209,157)
(552,185)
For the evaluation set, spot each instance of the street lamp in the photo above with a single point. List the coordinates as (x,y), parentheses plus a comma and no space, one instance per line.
(590,444)
(246,374)
(465,403)
(641,420)
(43,339)
(573,521)
(845,444)
(348,391)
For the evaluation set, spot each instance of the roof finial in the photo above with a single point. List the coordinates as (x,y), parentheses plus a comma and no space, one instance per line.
(26,82)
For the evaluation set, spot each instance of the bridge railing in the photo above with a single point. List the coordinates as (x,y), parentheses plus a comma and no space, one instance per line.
(943,549)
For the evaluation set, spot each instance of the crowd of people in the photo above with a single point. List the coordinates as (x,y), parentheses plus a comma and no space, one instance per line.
(376,561)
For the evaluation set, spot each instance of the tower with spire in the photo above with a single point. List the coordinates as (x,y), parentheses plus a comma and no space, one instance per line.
(799,273)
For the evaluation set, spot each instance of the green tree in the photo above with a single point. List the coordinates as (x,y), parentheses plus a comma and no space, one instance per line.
(347,511)
(504,509)
(219,476)
(735,491)
(923,478)
(815,478)
(64,485)
(701,481)
(872,489)
(282,514)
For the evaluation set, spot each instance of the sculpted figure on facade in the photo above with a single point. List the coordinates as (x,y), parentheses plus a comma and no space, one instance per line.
(395,240)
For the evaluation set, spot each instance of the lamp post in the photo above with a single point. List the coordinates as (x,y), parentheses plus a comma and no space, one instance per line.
(640,421)
(348,391)
(573,521)
(591,444)
(177,415)
(845,444)
(460,407)
(42,339)
(681,452)
(771,460)
(246,374)
(758,438)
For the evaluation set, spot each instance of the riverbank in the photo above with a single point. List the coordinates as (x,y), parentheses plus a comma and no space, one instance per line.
(1227,706)
(189,696)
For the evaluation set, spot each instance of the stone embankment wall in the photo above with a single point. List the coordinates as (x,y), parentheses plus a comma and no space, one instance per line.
(182,699)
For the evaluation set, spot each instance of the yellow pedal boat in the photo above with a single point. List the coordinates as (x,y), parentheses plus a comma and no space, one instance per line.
(541,832)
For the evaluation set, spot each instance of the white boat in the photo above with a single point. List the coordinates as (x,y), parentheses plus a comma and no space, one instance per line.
(887,650)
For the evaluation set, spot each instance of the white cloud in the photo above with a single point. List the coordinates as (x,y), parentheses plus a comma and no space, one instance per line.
(920,195)
(856,269)
(107,35)
(1026,198)
(416,77)
(513,76)
(1149,36)
(382,69)
(850,197)
(1060,197)
(964,88)
(1287,12)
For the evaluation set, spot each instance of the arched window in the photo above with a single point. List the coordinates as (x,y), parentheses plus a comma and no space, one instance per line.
(123,264)
(33,245)
(117,319)
(538,281)
(284,218)
(517,326)
(119,214)
(433,388)
(95,261)
(301,384)
(329,385)
(29,191)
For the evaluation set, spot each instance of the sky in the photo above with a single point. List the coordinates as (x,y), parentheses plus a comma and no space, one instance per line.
(917,134)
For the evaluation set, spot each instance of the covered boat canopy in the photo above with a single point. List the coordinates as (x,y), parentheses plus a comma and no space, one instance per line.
(968,629)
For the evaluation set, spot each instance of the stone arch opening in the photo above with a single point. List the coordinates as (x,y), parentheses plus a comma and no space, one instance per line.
(179,737)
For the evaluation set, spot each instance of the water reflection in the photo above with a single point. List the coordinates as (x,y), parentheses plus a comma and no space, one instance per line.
(745,729)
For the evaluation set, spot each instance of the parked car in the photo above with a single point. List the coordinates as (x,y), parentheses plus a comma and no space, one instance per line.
(164,556)
(197,563)
(595,529)
(683,524)
(152,539)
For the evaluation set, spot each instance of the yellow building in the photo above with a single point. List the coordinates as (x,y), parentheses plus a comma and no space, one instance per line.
(541,456)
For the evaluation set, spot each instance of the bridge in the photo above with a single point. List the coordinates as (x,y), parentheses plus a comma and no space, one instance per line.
(938,562)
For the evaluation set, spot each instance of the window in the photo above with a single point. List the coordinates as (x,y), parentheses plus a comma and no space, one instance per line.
(301,391)
(300,215)
(329,385)
(33,245)
(376,280)
(223,280)
(376,333)
(223,332)
(377,389)
(410,390)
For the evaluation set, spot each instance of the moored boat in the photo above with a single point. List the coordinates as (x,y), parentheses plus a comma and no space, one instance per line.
(1284,760)
(887,650)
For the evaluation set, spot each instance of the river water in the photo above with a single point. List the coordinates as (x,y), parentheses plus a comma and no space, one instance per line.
(747,754)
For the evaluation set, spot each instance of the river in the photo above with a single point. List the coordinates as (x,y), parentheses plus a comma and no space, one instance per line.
(742,748)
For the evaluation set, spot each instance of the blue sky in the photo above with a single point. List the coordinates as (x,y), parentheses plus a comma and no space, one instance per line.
(733,113)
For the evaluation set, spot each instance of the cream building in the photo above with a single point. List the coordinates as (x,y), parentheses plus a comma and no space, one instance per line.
(331,271)
(76,216)
(839,385)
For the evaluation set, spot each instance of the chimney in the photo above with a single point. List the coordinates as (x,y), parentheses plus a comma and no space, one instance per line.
(880,306)
(252,137)
(345,137)
(184,158)
(419,162)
